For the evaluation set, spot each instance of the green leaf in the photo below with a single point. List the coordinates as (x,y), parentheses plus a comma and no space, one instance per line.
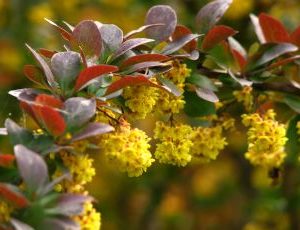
(293,102)
(197,107)
(202,81)
(293,144)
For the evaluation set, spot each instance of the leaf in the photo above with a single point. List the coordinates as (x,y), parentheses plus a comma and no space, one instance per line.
(34,74)
(18,225)
(70,204)
(238,52)
(45,68)
(293,144)
(207,94)
(6,160)
(13,195)
(197,107)
(126,81)
(60,223)
(17,134)
(141,29)
(295,37)
(130,44)
(91,73)
(161,14)
(112,36)
(79,111)
(216,35)
(88,37)
(273,29)
(25,94)
(241,81)
(293,102)
(3,131)
(178,44)
(144,58)
(210,14)
(46,53)
(181,31)
(47,188)
(143,65)
(257,28)
(65,66)
(92,129)
(65,34)
(283,62)
(202,82)
(170,86)
(32,168)
(275,52)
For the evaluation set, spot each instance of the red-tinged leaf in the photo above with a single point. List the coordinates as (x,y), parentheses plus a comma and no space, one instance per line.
(273,29)
(34,74)
(257,28)
(91,73)
(28,109)
(207,94)
(130,81)
(47,71)
(283,62)
(144,58)
(51,119)
(161,14)
(130,44)
(6,160)
(178,44)
(48,100)
(65,34)
(13,195)
(141,29)
(216,35)
(142,66)
(295,37)
(46,53)
(210,14)
(88,36)
(181,31)
(239,58)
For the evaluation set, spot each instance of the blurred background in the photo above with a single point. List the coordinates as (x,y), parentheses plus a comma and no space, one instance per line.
(225,194)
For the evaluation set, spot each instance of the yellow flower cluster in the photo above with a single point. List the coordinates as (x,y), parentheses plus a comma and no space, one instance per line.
(140,100)
(128,150)
(175,143)
(90,219)
(5,211)
(105,116)
(207,143)
(81,169)
(266,139)
(245,96)
(167,103)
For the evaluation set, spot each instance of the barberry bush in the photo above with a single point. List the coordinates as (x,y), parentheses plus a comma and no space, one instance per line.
(89,96)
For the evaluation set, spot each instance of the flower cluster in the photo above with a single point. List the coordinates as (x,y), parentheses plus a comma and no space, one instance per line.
(266,139)
(245,96)
(5,211)
(167,103)
(90,219)
(127,149)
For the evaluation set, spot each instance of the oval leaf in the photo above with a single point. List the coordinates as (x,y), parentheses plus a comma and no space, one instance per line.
(295,37)
(257,28)
(112,36)
(65,34)
(91,73)
(207,94)
(13,195)
(141,29)
(161,14)
(143,65)
(34,74)
(144,58)
(182,31)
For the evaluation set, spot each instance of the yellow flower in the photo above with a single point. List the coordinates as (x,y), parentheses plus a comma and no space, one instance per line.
(245,96)
(239,9)
(90,219)
(81,169)
(208,142)
(175,143)
(167,103)
(128,150)
(140,100)
(266,139)
(5,211)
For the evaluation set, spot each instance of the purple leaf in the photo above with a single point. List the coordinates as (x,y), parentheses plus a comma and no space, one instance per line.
(51,185)
(79,110)
(242,82)
(17,134)
(26,94)
(210,14)
(88,37)
(32,167)
(194,55)
(178,44)
(61,223)
(141,29)
(112,36)
(92,129)
(47,71)
(161,14)
(130,44)
(143,65)
(276,52)
(207,94)
(70,204)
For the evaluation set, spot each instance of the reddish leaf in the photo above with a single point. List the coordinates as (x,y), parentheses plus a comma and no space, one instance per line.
(295,37)
(216,35)
(6,160)
(143,65)
(239,58)
(46,53)
(161,14)
(14,196)
(91,73)
(48,100)
(130,81)
(34,74)
(65,34)
(273,29)
(141,29)
(283,62)
(87,36)
(28,109)
(143,58)
(181,31)
(178,44)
